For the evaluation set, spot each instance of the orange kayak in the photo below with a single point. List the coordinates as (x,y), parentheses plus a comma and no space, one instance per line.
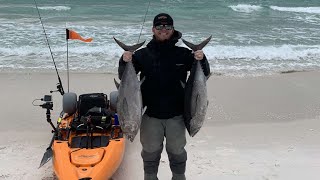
(88,143)
(94,157)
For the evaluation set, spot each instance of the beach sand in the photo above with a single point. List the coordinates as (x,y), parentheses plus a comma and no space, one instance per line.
(256,128)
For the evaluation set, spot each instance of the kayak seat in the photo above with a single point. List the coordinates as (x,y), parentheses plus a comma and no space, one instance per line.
(82,141)
(88,101)
(95,106)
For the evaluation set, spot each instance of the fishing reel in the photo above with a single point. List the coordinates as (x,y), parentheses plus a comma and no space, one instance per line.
(59,89)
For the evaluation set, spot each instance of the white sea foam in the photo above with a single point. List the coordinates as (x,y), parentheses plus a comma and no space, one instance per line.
(56,8)
(284,52)
(228,60)
(260,60)
(245,8)
(313,10)
(111,51)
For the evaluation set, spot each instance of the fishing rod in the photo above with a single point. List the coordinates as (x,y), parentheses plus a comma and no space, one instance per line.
(59,84)
(144,21)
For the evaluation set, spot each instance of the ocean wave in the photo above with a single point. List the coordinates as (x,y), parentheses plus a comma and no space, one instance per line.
(226,60)
(56,8)
(312,19)
(312,10)
(112,51)
(245,8)
(284,52)
(172,1)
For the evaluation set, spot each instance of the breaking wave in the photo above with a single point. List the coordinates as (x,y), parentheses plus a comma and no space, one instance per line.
(55,8)
(312,10)
(245,8)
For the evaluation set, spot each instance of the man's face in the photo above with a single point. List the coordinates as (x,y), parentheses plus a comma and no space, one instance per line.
(163,32)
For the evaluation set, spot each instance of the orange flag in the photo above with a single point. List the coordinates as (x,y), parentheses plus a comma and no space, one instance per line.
(73,35)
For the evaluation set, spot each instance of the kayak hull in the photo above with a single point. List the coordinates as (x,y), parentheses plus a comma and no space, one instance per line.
(80,163)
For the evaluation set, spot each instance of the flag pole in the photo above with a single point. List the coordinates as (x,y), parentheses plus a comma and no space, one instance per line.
(67,33)
(70,34)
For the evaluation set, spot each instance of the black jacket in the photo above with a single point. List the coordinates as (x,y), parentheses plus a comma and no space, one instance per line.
(164,65)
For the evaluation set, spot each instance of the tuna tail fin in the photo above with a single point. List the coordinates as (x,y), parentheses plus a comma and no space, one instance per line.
(116,83)
(129,48)
(198,46)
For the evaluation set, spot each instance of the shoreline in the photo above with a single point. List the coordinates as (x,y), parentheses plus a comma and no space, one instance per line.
(233,75)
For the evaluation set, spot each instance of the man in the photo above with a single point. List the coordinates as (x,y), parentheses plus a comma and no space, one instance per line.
(164,66)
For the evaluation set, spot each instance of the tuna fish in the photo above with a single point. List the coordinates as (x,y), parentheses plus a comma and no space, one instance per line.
(196,101)
(129,104)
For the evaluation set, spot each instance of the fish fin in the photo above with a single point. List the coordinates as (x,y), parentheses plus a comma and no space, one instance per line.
(144,110)
(129,48)
(142,80)
(209,76)
(207,103)
(116,83)
(194,132)
(198,46)
(183,84)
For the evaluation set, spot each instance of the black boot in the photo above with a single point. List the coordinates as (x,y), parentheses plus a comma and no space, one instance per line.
(150,177)
(178,176)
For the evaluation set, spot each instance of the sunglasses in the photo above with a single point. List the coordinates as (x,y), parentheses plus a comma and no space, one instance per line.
(167,27)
